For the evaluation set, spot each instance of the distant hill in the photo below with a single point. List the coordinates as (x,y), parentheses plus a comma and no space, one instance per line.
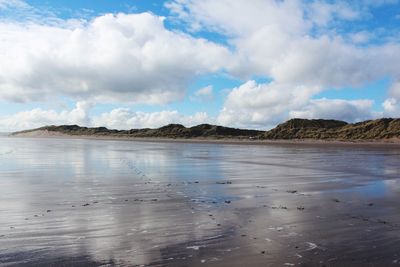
(294,129)
(335,130)
(168,131)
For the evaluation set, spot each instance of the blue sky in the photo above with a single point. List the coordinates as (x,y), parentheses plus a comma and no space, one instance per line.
(140,63)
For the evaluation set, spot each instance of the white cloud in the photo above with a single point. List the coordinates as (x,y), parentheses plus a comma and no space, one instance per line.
(263,106)
(395,90)
(134,58)
(322,13)
(120,118)
(204,94)
(361,37)
(338,109)
(21,12)
(38,117)
(238,18)
(296,45)
(276,39)
(131,58)
(391,106)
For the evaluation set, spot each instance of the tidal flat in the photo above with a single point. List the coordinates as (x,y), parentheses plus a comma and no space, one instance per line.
(80,202)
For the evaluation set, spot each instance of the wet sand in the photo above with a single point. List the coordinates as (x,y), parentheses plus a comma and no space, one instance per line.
(77,202)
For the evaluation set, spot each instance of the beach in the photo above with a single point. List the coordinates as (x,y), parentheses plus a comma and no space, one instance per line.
(91,202)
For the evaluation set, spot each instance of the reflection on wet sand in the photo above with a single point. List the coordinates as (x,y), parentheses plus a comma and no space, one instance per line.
(93,203)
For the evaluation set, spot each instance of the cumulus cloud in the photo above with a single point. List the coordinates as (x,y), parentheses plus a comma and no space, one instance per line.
(123,58)
(39,117)
(263,105)
(391,106)
(275,39)
(123,118)
(297,46)
(339,109)
(254,105)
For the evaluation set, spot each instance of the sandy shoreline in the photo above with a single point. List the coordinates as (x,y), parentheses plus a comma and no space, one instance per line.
(81,203)
(374,143)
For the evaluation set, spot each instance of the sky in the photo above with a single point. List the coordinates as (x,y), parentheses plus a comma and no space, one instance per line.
(127,64)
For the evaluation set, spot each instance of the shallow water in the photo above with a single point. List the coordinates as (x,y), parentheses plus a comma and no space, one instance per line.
(78,202)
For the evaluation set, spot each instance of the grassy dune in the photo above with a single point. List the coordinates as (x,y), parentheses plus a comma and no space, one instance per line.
(294,129)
